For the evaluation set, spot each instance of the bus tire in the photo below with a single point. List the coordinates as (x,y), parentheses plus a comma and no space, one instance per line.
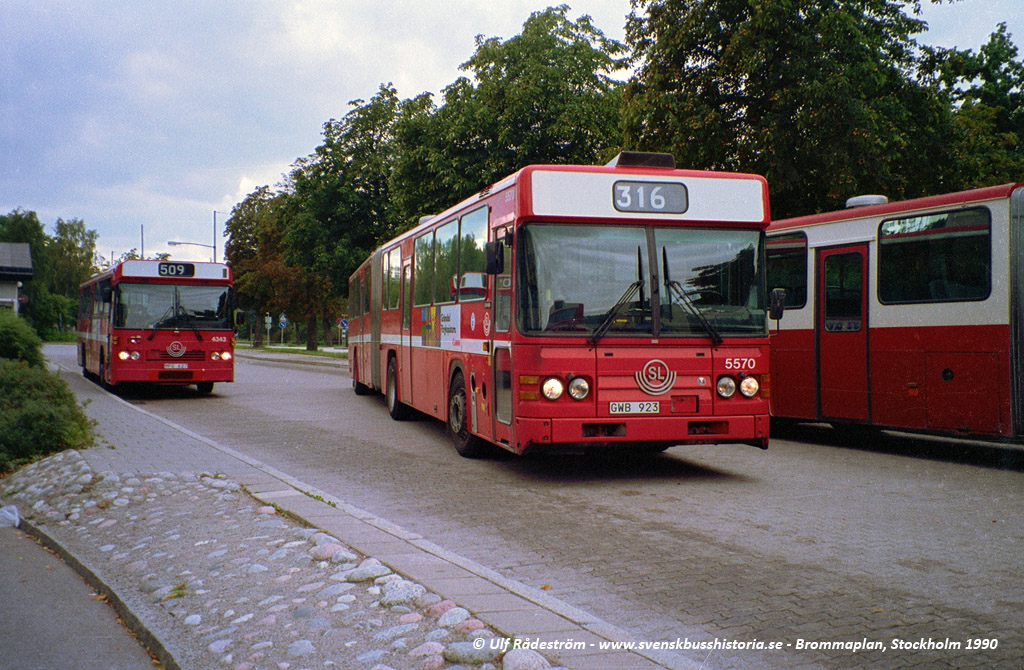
(467,444)
(204,388)
(398,410)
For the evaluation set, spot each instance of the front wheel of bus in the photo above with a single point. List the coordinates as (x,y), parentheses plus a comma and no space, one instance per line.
(467,444)
(398,410)
(204,388)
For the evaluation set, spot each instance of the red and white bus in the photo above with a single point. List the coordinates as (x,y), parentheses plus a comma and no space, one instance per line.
(904,315)
(163,322)
(576,306)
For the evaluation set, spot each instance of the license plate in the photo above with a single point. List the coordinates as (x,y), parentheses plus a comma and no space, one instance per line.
(175,366)
(647,407)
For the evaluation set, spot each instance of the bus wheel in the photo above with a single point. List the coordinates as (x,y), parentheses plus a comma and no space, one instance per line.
(398,410)
(204,388)
(467,444)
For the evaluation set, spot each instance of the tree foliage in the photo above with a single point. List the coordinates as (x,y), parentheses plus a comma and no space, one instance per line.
(60,262)
(817,95)
(987,91)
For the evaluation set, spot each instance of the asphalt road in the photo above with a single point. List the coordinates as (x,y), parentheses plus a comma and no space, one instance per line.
(818,544)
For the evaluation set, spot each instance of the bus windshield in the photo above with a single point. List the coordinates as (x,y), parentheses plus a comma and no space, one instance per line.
(596,281)
(169,306)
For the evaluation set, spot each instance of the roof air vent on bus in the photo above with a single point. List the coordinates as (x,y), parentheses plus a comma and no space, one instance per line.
(866,201)
(645,160)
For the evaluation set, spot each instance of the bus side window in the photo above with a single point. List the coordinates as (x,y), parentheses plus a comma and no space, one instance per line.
(472,256)
(787,267)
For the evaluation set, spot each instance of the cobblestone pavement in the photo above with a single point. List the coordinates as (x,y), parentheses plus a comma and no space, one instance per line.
(215,579)
(823,549)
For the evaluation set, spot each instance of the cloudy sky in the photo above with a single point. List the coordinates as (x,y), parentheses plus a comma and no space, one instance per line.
(144,118)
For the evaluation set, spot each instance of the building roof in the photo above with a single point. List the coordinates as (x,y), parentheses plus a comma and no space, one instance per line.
(15,260)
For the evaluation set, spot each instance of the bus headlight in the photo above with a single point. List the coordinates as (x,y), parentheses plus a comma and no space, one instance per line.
(226,356)
(552,388)
(579,388)
(726,387)
(136,356)
(749,387)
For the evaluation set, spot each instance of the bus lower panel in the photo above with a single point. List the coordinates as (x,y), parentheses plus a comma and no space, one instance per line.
(174,376)
(650,431)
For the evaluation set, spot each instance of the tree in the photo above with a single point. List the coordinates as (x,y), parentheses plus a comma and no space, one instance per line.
(75,247)
(544,96)
(987,91)
(340,208)
(817,95)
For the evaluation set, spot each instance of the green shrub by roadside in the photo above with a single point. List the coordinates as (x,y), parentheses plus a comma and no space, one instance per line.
(39,415)
(18,341)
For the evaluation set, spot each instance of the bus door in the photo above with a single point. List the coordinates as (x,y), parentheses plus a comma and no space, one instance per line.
(842,327)
(497,324)
(405,347)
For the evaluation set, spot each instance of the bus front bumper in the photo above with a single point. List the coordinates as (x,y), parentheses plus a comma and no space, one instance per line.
(650,432)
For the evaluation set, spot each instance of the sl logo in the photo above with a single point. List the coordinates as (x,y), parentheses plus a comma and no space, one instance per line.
(176,349)
(655,378)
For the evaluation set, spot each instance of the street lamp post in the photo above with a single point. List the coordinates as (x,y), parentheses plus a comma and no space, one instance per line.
(174,243)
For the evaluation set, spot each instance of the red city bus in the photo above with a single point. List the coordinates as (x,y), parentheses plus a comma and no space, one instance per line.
(904,315)
(163,322)
(576,306)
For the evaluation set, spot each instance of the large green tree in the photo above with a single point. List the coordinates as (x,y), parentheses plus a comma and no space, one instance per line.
(546,95)
(987,91)
(819,96)
(59,262)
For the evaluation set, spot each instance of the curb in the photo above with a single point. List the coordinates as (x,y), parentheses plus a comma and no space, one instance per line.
(147,637)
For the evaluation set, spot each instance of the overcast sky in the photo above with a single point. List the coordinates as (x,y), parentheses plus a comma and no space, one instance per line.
(152,115)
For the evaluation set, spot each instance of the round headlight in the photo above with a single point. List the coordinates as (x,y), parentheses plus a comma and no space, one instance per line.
(226,356)
(123,355)
(749,387)
(579,388)
(215,356)
(552,388)
(726,387)
(136,356)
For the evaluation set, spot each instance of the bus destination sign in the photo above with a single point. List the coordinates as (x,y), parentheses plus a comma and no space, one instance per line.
(176,270)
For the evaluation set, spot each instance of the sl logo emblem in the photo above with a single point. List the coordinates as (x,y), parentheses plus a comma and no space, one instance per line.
(655,378)
(176,349)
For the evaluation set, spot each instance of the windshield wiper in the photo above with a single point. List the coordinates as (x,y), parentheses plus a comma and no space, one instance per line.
(677,292)
(624,300)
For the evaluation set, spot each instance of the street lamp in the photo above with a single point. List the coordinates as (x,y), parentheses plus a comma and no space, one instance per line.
(195,244)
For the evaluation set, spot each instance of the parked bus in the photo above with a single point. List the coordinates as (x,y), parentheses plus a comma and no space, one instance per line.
(576,306)
(904,315)
(163,322)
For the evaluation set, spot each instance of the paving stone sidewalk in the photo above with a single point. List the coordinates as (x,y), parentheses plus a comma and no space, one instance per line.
(221,561)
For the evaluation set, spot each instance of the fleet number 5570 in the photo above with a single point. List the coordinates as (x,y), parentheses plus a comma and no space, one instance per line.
(740,363)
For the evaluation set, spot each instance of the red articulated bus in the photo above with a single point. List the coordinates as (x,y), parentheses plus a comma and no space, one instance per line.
(904,315)
(576,306)
(163,322)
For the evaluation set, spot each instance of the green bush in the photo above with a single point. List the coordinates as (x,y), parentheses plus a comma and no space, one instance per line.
(39,415)
(18,341)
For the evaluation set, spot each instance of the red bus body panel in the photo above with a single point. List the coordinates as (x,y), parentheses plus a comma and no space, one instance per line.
(953,367)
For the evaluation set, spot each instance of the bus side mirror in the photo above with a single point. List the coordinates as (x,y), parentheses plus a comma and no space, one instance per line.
(776,304)
(108,294)
(495,252)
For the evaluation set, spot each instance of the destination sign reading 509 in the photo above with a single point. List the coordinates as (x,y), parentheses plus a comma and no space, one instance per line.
(177,270)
